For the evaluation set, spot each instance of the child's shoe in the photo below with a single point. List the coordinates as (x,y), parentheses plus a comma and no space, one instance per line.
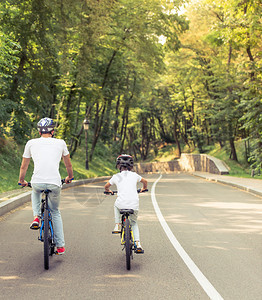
(138,248)
(35,224)
(117,229)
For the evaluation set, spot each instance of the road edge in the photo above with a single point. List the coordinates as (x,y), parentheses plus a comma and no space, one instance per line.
(13,203)
(233,184)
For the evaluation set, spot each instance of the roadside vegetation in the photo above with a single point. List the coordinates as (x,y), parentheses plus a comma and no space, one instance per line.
(103,163)
(240,168)
(142,73)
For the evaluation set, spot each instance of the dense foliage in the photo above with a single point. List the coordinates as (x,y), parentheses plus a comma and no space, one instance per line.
(140,71)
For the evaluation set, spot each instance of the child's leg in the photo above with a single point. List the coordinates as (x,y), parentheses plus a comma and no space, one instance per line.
(117,228)
(134,225)
(117,215)
(133,219)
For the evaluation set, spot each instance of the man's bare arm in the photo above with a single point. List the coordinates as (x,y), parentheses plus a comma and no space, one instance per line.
(23,170)
(69,168)
(107,187)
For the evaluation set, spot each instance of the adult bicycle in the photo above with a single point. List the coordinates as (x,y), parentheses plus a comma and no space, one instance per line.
(126,234)
(46,233)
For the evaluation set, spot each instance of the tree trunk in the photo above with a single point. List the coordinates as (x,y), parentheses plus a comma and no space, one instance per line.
(76,141)
(233,149)
(20,71)
(116,123)
(177,139)
(123,137)
(76,125)
(98,126)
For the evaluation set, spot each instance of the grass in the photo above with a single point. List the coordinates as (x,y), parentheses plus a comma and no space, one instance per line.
(238,169)
(165,152)
(101,165)
(10,160)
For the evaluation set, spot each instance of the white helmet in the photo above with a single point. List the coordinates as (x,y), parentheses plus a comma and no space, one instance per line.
(45,125)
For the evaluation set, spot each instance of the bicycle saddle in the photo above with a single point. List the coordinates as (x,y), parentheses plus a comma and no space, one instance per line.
(46,191)
(129,211)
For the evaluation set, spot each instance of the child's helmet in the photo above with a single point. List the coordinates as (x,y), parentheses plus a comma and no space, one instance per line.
(124,160)
(45,125)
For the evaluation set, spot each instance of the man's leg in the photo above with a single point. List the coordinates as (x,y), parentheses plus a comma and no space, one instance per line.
(54,201)
(36,204)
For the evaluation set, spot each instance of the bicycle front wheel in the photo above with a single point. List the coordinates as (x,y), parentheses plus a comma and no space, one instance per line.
(128,243)
(46,240)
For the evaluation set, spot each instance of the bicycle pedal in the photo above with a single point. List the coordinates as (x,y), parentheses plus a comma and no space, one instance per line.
(57,253)
(34,227)
(139,251)
(116,232)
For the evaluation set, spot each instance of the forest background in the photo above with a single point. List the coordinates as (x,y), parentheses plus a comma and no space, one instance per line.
(145,74)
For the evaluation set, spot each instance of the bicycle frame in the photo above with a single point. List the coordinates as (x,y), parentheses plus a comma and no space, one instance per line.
(45,208)
(127,237)
(123,232)
(46,230)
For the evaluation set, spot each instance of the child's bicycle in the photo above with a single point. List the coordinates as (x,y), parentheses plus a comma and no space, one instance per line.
(46,234)
(126,234)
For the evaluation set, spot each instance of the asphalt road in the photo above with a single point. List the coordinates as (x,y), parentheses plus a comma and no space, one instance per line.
(213,248)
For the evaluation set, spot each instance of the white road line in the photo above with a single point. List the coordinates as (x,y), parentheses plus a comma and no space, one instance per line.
(202,280)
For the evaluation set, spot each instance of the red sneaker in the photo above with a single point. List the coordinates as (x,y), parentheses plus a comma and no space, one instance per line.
(35,224)
(60,250)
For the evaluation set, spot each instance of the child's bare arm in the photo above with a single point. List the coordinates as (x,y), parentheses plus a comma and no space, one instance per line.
(144,181)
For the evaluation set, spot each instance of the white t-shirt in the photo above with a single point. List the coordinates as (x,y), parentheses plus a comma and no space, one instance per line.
(46,154)
(127,196)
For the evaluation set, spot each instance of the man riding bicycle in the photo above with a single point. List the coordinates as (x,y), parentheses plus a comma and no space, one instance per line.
(46,153)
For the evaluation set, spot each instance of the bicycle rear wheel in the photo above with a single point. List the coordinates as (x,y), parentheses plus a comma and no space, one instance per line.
(128,244)
(46,240)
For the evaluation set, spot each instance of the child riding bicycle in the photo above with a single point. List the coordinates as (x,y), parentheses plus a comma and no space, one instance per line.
(127,196)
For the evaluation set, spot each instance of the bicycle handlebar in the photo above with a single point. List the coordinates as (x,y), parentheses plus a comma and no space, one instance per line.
(115,192)
(29,183)
(144,191)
